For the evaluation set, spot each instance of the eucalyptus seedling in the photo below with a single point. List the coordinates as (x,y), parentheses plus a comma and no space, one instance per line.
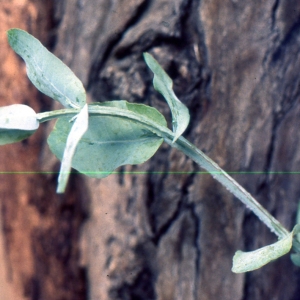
(97,138)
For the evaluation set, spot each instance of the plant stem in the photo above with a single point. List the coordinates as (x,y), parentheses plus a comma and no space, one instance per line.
(237,190)
(49,115)
(188,149)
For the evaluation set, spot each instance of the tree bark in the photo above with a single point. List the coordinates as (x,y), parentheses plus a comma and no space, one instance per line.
(39,249)
(159,230)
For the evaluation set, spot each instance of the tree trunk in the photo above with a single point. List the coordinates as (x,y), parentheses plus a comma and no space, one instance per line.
(159,230)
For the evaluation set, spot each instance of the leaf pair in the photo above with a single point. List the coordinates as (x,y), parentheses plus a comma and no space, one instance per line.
(53,78)
(96,145)
(50,75)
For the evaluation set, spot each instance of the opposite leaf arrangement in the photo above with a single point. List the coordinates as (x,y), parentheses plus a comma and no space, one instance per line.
(97,138)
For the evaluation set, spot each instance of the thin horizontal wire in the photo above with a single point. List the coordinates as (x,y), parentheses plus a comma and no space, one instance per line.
(155,172)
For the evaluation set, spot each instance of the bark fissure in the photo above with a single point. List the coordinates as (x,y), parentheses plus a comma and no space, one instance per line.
(287,39)
(273,14)
(113,43)
(197,223)
(168,223)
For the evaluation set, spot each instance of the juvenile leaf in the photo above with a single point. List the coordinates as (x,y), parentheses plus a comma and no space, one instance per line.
(17,122)
(164,85)
(249,261)
(79,127)
(48,73)
(110,141)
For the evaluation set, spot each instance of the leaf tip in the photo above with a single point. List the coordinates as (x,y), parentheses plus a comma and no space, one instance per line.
(235,262)
(60,190)
(148,59)
(11,33)
(146,55)
(151,62)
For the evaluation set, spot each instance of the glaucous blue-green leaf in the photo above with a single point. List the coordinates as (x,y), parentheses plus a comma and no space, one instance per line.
(164,85)
(79,127)
(17,122)
(249,261)
(298,221)
(295,257)
(48,73)
(110,141)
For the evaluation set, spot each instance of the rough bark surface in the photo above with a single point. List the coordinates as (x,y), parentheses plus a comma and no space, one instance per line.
(160,235)
(39,251)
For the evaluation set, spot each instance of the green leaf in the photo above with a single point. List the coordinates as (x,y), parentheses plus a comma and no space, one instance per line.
(295,257)
(298,221)
(79,127)
(49,74)
(164,85)
(17,122)
(110,141)
(298,214)
(249,261)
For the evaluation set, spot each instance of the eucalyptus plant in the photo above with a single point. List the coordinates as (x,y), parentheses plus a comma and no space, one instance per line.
(97,138)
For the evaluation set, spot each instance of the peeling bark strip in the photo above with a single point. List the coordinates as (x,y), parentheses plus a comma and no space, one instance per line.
(160,236)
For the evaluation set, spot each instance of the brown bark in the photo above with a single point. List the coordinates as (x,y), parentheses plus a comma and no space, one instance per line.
(39,237)
(160,235)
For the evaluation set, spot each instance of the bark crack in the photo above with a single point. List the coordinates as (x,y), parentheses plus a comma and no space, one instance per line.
(182,205)
(197,223)
(273,14)
(166,226)
(99,62)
